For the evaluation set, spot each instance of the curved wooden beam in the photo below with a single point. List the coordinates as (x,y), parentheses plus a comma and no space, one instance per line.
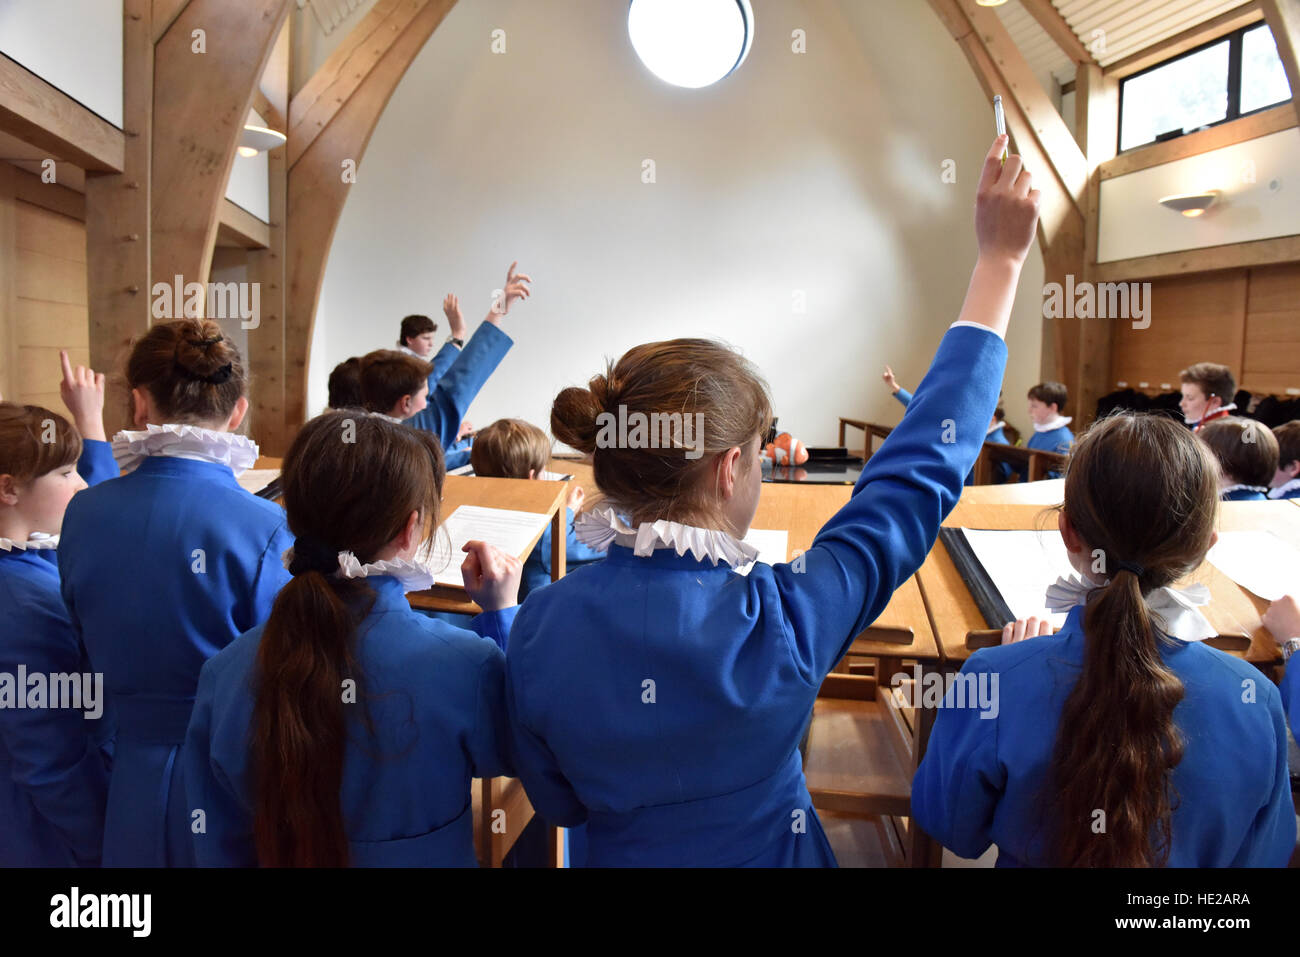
(330,123)
(200,102)
(1283,18)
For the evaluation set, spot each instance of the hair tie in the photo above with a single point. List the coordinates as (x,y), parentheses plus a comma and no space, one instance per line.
(1133,567)
(209,342)
(310,555)
(221,376)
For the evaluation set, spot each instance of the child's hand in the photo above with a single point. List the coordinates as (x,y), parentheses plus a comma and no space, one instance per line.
(1021,629)
(466,428)
(516,288)
(451,309)
(82,391)
(576,497)
(491,576)
(1282,619)
(889,379)
(1006,207)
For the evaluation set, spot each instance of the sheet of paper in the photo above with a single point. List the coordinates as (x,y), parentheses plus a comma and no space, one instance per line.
(508,530)
(254,480)
(554,476)
(773,545)
(1259,562)
(1023,564)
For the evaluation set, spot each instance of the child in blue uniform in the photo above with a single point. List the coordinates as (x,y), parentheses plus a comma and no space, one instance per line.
(1123,740)
(164,567)
(996,431)
(1286,481)
(512,448)
(54,760)
(1051,428)
(1247,454)
(658,695)
(291,772)
(404,388)
(1283,619)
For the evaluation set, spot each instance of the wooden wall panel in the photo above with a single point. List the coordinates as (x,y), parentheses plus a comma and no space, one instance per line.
(1272,359)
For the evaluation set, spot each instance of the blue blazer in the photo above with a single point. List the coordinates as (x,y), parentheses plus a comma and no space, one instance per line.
(984,780)
(161,569)
(451,397)
(662,699)
(435,696)
(537,567)
(54,762)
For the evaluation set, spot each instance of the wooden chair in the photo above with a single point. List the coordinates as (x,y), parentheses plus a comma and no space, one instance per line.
(863,749)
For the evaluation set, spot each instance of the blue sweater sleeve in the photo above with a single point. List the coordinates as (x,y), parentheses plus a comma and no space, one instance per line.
(1271,838)
(226,838)
(880,538)
(1291,694)
(96,463)
(490,747)
(456,390)
(903,396)
(442,361)
(495,625)
(959,782)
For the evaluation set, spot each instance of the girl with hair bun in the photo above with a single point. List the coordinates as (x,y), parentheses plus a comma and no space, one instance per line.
(346,728)
(1123,740)
(53,760)
(658,695)
(164,567)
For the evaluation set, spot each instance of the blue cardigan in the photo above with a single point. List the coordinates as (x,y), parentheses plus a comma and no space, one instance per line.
(451,397)
(435,695)
(161,569)
(54,762)
(662,699)
(984,779)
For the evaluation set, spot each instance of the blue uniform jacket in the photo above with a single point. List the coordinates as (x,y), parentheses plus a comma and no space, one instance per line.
(450,399)
(54,762)
(161,569)
(1243,495)
(435,694)
(984,780)
(662,699)
(537,568)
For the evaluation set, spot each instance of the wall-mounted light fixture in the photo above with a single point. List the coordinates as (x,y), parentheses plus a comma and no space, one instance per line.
(1191,204)
(258,139)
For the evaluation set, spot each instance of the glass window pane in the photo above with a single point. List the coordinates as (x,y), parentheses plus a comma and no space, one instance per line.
(1184,95)
(1263,80)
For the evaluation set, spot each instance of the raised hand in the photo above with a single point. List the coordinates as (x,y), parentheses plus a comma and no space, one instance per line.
(516,287)
(890,380)
(451,309)
(1006,207)
(491,576)
(82,390)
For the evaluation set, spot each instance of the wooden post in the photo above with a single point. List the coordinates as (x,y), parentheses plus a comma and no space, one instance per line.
(1283,18)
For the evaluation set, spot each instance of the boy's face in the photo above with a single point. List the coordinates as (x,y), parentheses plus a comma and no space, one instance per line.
(421,345)
(1041,413)
(1195,403)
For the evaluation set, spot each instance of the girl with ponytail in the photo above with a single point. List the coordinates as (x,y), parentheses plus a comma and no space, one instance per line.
(1123,740)
(346,728)
(164,567)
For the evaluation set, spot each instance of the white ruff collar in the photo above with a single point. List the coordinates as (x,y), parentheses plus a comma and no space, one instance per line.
(37,542)
(600,527)
(1174,609)
(187,442)
(1217,412)
(1263,489)
(994,427)
(1284,488)
(412,575)
(1059,422)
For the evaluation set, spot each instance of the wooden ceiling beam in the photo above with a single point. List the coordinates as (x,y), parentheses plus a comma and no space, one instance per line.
(1056,27)
(1283,18)
(46,117)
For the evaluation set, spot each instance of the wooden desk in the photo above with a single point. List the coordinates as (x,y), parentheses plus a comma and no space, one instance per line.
(1046,492)
(1233,611)
(523,495)
(903,628)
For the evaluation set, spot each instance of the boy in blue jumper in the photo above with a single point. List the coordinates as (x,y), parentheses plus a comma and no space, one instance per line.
(1051,428)
(1247,455)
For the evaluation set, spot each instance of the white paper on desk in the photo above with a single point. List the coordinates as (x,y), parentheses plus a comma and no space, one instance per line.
(773,545)
(1023,564)
(1259,562)
(507,529)
(254,480)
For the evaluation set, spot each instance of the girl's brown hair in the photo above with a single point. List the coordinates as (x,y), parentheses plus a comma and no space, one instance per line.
(1142,493)
(35,441)
(1246,450)
(388,375)
(192,371)
(351,482)
(510,448)
(684,377)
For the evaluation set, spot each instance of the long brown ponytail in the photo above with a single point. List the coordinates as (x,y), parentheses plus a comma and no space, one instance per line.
(351,482)
(1142,493)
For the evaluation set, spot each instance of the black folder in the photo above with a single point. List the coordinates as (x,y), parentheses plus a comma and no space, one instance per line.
(988,599)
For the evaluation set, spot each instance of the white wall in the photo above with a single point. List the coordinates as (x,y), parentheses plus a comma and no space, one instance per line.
(818,172)
(1259,180)
(75,45)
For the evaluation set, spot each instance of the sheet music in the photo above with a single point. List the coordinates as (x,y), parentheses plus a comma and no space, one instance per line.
(1023,564)
(507,529)
(1259,562)
(773,545)
(254,480)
